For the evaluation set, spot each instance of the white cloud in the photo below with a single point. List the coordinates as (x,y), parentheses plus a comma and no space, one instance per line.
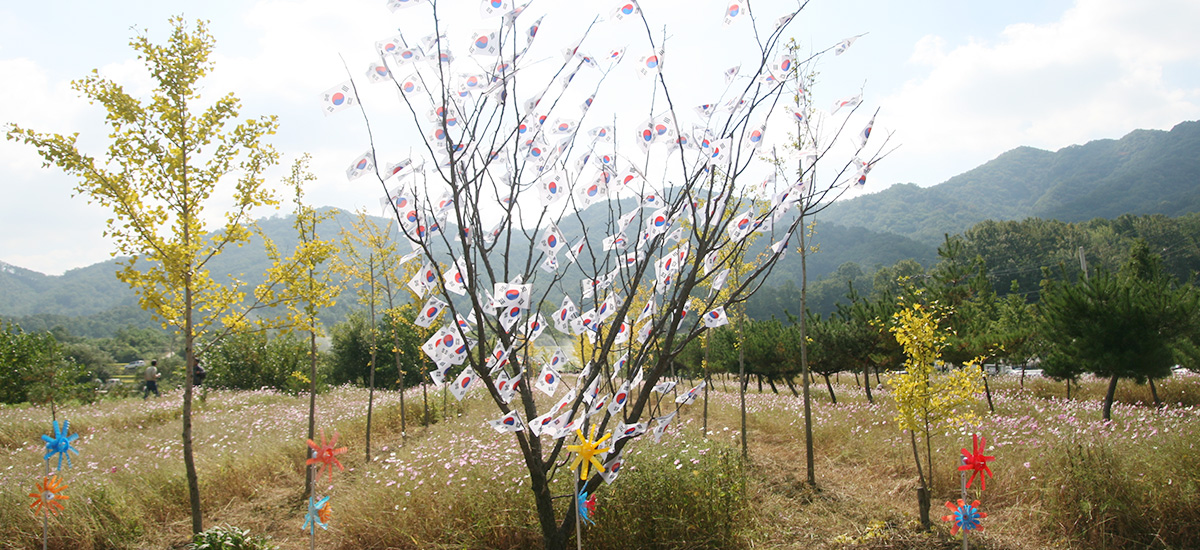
(1097,72)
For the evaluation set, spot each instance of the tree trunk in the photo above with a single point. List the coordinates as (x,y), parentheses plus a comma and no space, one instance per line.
(312,408)
(792,386)
(987,390)
(744,381)
(759,377)
(771,382)
(923,502)
(1108,398)
(809,462)
(929,454)
(1154,394)
(832,397)
(552,537)
(189,342)
(189,459)
(867,383)
(371,382)
(706,384)
(400,373)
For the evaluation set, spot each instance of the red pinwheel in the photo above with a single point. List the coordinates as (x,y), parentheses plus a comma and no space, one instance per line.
(325,455)
(977,462)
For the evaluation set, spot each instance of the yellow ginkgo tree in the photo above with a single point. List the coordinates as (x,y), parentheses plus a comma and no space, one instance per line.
(168,160)
(925,399)
(306,283)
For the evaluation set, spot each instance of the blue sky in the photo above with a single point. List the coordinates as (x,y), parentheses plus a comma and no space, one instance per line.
(957,82)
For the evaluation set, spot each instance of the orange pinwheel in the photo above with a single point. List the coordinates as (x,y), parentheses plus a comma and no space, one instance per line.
(325,455)
(47,497)
(976,462)
(586,451)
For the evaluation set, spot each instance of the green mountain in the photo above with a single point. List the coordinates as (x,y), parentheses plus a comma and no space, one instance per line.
(1145,172)
(91,302)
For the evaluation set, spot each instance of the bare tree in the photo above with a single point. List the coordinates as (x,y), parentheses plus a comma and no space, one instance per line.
(517,210)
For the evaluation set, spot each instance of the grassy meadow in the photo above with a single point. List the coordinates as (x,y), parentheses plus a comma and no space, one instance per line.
(1063,478)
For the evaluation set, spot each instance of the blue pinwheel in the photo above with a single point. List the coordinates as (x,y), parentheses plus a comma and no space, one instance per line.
(965,516)
(60,444)
(586,506)
(317,516)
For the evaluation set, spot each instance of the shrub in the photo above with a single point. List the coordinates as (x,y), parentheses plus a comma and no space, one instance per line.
(231,538)
(691,494)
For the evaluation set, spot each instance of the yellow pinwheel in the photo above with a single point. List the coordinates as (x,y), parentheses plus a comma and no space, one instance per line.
(586,451)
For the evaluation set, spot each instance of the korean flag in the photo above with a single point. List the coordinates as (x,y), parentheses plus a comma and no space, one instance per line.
(716,318)
(649,65)
(401,4)
(430,312)
(485,43)
(510,422)
(548,381)
(619,399)
(732,12)
(494,8)
(463,383)
(338,97)
(623,430)
(361,166)
(377,73)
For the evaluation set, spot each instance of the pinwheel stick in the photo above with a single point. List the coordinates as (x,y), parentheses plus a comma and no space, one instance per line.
(963,476)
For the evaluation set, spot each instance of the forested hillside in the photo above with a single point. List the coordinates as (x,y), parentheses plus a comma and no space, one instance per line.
(1145,172)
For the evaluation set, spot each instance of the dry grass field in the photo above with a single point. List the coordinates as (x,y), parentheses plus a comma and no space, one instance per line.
(1063,478)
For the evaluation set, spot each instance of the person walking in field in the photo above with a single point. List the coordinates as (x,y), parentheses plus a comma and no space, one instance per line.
(151,380)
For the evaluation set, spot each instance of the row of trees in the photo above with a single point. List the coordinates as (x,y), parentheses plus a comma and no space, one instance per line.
(1015,256)
(1135,324)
